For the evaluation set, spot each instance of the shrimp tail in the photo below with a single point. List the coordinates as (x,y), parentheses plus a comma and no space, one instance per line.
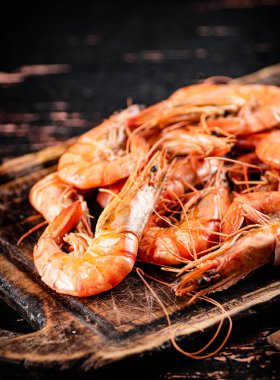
(65,221)
(54,233)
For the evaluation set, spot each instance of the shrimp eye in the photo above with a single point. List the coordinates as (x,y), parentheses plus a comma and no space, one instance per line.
(214,133)
(154,169)
(203,281)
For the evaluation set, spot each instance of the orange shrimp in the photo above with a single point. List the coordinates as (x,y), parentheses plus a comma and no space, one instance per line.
(192,141)
(234,261)
(195,233)
(105,195)
(51,195)
(249,108)
(246,172)
(99,157)
(184,174)
(249,142)
(260,208)
(268,149)
(94,265)
(189,103)
(260,112)
(270,181)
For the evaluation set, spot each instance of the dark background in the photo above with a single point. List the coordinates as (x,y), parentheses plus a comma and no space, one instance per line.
(64,67)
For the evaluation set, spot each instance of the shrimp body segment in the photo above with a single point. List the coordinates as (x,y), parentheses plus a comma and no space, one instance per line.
(261,111)
(182,142)
(94,265)
(106,194)
(99,157)
(51,195)
(268,149)
(185,174)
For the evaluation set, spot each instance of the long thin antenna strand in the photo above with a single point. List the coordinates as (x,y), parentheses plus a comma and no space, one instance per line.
(193,355)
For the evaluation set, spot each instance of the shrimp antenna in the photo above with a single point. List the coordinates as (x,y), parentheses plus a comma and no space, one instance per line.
(172,332)
(29,232)
(234,161)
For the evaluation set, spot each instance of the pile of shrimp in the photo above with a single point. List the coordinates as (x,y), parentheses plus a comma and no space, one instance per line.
(190,184)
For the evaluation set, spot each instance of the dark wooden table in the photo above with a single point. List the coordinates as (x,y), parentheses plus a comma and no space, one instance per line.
(63,68)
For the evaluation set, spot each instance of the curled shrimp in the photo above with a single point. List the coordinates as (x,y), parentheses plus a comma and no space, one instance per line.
(94,265)
(99,157)
(239,257)
(195,233)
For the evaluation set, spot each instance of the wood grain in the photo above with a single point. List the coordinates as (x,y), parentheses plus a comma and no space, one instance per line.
(274,339)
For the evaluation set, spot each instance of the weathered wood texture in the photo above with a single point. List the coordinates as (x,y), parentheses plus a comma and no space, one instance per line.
(95,331)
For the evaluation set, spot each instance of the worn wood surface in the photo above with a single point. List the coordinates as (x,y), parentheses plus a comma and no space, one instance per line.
(64,68)
(274,339)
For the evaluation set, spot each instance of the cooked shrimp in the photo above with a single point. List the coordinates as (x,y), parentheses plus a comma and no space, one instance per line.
(268,149)
(195,233)
(249,108)
(99,157)
(189,103)
(51,195)
(184,174)
(105,195)
(192,141)
(261,111)
(223,268)
(249,142)
(260,208)
(246,172)
(94,265)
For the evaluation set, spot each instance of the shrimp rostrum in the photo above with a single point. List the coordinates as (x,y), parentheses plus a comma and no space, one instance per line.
(94,265)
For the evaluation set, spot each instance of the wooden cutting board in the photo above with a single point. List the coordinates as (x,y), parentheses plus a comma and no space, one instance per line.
(126,321)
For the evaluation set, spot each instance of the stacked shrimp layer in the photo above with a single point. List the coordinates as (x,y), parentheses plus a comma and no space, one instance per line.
(190,183)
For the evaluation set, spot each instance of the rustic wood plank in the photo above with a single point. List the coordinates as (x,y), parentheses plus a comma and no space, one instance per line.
(274,339)
(63,338)
(20,166)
